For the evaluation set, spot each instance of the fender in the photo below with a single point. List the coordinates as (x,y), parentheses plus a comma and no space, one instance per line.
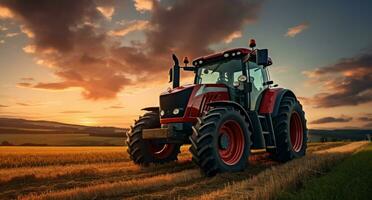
(151,109)
(233,104)
(271,100)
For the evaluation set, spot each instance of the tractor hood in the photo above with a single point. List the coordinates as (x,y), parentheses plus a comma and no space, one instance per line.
(189,101)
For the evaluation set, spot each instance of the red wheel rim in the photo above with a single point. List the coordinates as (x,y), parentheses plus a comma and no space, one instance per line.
(161,151)
(296,132)
(231,153)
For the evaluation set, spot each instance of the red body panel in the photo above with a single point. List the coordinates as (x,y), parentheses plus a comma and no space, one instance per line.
(201,95)
(268,100)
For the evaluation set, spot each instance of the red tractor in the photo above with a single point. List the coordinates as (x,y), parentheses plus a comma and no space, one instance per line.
(231,108)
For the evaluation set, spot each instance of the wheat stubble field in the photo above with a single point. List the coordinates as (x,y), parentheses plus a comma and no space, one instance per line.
(107,173)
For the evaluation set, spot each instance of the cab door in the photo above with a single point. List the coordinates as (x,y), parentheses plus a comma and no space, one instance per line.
(257,76)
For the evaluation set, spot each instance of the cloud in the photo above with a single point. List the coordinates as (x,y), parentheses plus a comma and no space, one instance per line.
(11,35)
(326,120)
(116,107)
(3,106)
(27,79)
(293,31)
(3,28)
(82,54)
(2,41)
(184,27)
(24,84)
(23,104)
(366,118)
(5,13)
(232,36)
(368,125)
(143,5)
(106,11)
(74,111)
(135,25)
(346,83)
(29,49)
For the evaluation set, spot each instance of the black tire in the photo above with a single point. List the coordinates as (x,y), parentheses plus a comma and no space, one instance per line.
(289,111)
(206,141)
(139,149)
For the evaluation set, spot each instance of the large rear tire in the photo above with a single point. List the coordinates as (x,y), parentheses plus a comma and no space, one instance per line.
(290,131)
(221,141)
(144,152)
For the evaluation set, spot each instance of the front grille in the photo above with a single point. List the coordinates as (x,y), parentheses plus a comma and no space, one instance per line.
(178,100)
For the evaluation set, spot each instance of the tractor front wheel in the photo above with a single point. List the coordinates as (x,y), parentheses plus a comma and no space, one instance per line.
(221,141)
(144,152)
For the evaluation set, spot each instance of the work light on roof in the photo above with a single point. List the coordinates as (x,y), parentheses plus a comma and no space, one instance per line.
(226,55)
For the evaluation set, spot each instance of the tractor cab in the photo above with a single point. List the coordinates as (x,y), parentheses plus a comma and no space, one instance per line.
(240,71)
(231,108)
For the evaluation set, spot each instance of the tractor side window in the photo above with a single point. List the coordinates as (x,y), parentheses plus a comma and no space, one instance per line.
(256,77)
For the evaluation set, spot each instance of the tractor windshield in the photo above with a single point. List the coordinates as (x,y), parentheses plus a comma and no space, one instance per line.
(224,72)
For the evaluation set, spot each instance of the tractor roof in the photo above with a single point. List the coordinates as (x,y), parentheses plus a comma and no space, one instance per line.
(236,52)
(228,54)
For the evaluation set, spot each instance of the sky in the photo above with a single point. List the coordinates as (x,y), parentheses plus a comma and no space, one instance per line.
(99,62)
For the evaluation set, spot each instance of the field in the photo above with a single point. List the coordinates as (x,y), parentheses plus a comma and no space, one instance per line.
(107,173)
(66,139)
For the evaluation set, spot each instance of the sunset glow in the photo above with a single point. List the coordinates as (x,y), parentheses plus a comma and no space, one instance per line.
(102,61)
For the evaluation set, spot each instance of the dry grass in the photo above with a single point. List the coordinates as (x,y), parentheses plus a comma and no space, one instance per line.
(119,188)
(13,157)
(106,172)
(267,184)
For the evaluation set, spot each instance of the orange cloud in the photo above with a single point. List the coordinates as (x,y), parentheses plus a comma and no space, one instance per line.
(83,55)
(135,25)
(106,11)
(292,32)
(143,5)
(5,13)
(346,83)
(232,36)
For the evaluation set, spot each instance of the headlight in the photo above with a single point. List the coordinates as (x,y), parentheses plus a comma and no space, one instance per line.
(162,113)
(176,111)
(242,78)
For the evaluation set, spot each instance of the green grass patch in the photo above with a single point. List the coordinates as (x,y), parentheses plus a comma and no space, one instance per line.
(351,179)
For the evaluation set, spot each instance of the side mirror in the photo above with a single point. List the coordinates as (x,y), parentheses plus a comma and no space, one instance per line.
(170,75)
(262,57)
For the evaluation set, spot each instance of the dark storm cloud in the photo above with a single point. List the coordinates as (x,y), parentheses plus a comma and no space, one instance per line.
(190,26)
(366,118)
(368,125)
(346,83)
(53,22)
(67,36)
(325,120)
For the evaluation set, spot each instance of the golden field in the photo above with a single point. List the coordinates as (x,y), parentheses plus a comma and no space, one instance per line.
(107,173)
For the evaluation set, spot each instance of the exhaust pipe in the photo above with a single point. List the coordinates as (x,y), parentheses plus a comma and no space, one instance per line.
(174,73)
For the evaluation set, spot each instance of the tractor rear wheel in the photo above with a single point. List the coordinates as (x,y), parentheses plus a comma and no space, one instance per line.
(221,141)
(144,152)
(290,131)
